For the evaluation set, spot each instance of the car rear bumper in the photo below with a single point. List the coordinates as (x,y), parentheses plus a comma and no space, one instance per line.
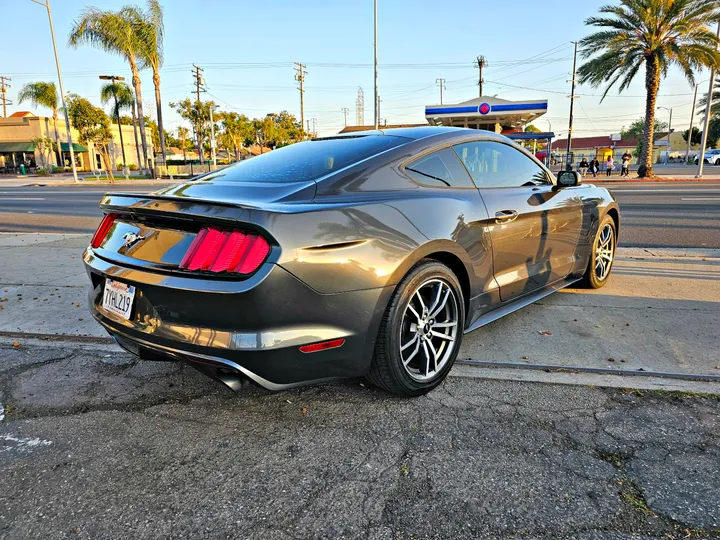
(251,327)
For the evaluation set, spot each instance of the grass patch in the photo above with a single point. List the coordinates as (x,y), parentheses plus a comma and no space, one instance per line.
(634,499)
(613,459)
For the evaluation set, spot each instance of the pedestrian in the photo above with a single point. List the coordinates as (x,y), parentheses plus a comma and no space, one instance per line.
(609,166)
(625,171)
(595,167)
(584,166)
(627,155)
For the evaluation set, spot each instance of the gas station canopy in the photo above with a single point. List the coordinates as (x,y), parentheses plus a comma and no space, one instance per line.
(490,113)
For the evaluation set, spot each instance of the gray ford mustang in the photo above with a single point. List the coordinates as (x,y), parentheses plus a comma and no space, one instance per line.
(368,254)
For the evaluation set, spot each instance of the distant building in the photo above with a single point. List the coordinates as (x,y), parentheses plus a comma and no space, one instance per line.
(17,146)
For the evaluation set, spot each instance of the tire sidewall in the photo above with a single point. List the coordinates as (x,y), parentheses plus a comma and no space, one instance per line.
(419,275)
(593,280)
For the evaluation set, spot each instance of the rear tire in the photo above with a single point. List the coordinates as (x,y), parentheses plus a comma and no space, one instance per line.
(602,255)
(421,331)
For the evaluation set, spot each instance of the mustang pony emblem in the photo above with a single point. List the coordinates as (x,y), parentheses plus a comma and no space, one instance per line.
(131,238)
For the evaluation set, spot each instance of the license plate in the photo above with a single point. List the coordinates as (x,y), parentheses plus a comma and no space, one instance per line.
(118,298)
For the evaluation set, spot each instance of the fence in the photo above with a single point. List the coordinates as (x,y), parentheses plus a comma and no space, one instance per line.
(182,171)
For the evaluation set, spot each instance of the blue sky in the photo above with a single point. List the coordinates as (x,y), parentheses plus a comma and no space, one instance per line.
(247,50)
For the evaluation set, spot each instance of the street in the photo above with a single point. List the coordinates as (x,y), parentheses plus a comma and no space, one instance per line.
(652,215)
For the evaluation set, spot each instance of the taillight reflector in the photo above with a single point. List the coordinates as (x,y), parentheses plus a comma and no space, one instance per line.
(214,250)
(103,229)
(322,346)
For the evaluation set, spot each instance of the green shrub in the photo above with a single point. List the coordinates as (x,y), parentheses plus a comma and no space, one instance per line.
(41,172)
(133,167)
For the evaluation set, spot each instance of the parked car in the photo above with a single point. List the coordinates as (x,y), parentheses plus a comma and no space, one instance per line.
(367,254)
(711,157)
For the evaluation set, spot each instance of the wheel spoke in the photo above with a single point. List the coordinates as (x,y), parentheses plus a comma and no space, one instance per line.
(449,324)
(441,336)
(431,309)
(442,304)
(409,358)
(422,304)
(427,359)
(434,353)
(414,312)
(413,340)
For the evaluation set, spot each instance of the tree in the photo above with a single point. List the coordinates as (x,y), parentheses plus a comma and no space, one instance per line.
(184,140)
(198,114)
(695,138)
(93,125)
(637,130)
(115,33)
(238,130)
(44,146)
(120,96)
(44,94)
(151,31)
(658,34)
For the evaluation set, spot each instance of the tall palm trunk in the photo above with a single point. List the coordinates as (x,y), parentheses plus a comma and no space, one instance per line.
(652,85)
(137,144)
(137,85)
(158,105)
(60,163)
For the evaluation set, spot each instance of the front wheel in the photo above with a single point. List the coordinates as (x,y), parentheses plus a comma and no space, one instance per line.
(602,255)
(420,332)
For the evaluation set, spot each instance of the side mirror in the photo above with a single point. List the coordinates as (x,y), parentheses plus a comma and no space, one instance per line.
(569,179)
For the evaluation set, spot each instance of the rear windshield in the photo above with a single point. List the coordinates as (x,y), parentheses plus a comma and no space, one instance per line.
(308,160)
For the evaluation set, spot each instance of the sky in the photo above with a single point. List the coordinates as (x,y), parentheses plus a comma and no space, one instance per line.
(247,50)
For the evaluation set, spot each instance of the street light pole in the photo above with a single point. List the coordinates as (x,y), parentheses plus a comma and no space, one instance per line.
(706,122)
(213,144)
(692,121)
(46,5)
(375,49)
(114,78)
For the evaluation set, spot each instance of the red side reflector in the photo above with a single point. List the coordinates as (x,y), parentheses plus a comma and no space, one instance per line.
(322,346)
(214,250)
(103,229)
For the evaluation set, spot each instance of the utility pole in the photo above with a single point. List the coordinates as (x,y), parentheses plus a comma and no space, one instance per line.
(114,78)
(690,129)
(300,78)
(481,64)
(706,122)
(3,89)
(667,155)
(308,126)
(314,128)
(46,5)
(199,81)
(568,158)
(441,83)
(375,64)
(345,111)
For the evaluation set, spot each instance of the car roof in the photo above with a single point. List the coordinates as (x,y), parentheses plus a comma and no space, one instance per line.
(417,133)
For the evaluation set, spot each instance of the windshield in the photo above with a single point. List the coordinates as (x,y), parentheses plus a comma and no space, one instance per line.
(308,160)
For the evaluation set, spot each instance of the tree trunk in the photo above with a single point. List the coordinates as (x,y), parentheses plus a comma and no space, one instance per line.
(105,153)
(57,140)
(141,117)
(652,85)
(137,145)
(158,106)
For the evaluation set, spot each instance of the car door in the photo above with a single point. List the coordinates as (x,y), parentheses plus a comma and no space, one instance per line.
(534,226)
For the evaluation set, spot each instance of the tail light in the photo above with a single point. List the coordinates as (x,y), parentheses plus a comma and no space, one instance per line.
(103,229)
(237,252)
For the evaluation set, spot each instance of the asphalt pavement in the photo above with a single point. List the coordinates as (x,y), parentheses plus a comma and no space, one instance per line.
(652,214)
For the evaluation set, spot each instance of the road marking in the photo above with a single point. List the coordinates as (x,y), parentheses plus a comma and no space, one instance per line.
(700,198)
(28,199)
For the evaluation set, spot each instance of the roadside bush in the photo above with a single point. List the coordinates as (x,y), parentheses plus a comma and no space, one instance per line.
(133,167)
(41,172)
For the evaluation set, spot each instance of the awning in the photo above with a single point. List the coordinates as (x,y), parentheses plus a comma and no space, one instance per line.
(76,147)
(17,147)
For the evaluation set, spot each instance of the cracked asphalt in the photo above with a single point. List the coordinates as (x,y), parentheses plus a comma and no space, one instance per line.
(95,444)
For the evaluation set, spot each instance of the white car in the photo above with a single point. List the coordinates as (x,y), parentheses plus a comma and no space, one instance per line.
(711,157)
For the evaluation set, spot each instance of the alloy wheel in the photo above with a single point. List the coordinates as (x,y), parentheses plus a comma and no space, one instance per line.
(429,330)
(604,251)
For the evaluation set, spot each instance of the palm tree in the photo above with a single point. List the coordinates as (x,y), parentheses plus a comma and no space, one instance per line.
(149,27)
(114,32)
(44,94)
(657,33)
(183,135)
(121,97)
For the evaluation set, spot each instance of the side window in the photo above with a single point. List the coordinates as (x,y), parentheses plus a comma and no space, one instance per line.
(440,168)
(494,165)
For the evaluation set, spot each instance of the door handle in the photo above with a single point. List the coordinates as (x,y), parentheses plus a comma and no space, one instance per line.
(506,216)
